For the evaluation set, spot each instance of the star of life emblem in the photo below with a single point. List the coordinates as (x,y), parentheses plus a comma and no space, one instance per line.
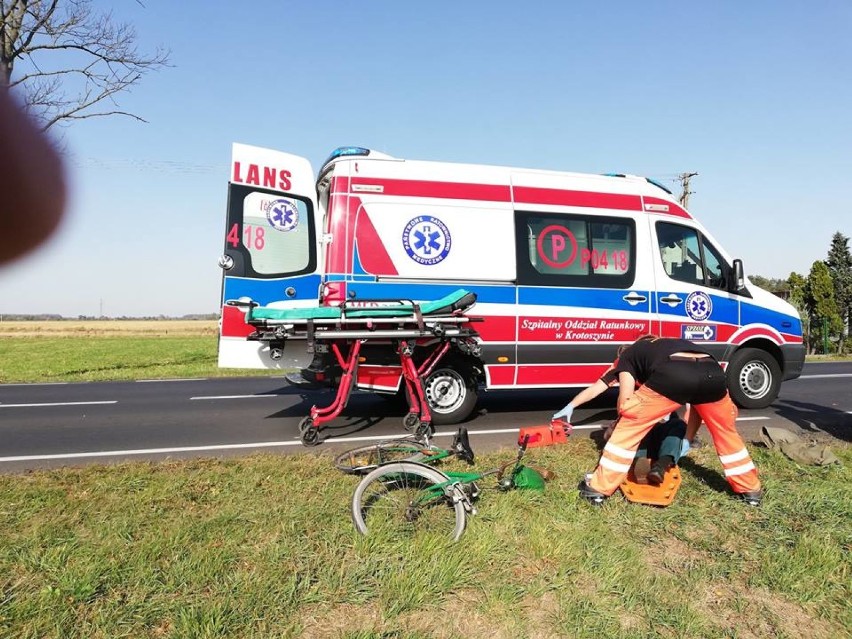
(283,215)
(699,305)
(426,240)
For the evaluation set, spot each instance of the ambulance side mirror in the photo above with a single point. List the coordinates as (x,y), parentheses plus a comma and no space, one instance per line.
(737,279)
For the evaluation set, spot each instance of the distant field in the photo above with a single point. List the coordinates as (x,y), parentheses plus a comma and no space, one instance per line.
(76,351)
(94,328)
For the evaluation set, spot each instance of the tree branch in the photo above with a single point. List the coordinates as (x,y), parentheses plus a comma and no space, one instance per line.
(108,61)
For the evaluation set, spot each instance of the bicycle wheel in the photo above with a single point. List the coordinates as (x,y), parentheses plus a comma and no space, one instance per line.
(394,499)
(360,461)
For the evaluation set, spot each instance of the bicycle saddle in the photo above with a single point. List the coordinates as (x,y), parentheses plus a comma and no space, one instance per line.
(461,446)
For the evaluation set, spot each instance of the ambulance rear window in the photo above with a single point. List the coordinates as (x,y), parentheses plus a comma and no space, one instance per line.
(575,250)
(274,232)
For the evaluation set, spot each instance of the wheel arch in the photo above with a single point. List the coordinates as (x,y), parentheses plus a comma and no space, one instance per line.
(759,343)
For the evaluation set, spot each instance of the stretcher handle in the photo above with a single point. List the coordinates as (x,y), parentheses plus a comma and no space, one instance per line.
(346,304)
(415,308)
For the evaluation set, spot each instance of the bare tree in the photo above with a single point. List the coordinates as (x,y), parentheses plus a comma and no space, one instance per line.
(68,62)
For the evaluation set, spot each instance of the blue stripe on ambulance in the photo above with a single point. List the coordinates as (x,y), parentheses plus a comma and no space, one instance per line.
(725,310)
(498,294)
(753,314)
(265,292)
(593,298)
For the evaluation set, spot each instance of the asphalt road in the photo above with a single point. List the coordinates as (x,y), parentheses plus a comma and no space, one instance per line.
(50,425)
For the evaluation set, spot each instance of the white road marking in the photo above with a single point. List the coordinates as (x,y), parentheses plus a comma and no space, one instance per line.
(235,396)
(278,444)
(176,379)
(825,376)
(113,401)
(36,384)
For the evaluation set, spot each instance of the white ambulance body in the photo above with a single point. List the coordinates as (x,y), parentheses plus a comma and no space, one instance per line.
(566,268)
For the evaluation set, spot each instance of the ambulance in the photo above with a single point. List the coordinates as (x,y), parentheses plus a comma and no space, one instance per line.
(566,267)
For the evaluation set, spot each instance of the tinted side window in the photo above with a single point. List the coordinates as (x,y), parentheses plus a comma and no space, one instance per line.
(688,257)
(575,250)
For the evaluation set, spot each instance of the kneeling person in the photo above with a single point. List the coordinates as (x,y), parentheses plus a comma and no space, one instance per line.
(671,373)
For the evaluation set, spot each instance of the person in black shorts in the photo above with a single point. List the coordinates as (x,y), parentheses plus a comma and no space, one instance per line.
(657,376)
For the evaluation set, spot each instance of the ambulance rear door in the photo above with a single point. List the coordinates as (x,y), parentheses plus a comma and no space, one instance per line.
(270,248)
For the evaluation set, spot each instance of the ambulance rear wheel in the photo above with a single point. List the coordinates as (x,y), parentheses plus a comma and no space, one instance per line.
(451,392)
(754,378)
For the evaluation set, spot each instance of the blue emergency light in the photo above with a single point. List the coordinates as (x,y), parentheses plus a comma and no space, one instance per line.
(346,151)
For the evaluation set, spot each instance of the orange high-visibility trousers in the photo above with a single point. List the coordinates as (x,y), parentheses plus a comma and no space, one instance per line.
(643,410)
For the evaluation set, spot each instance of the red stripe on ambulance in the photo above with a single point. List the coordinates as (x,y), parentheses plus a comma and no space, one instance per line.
(656,205)
(757,331)
(496,328)
(500,375)
(444,190)
(372,253)
(563,197)
(560,375)
(234,322)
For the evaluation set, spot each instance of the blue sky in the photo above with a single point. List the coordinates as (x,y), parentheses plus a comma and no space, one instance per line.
(754,96)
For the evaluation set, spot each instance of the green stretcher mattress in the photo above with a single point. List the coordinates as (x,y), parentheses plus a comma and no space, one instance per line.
(456,301)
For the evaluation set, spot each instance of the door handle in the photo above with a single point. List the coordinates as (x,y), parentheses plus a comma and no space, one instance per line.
(634,298)
(671,300)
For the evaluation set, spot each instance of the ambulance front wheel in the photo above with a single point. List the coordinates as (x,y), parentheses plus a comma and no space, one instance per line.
(451,392)
(754,378)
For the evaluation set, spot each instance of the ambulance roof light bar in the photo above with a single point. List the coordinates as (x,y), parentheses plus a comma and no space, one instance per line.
(343,151)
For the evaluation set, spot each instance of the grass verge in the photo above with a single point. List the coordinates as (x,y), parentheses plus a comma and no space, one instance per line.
(112,356)
(263,547)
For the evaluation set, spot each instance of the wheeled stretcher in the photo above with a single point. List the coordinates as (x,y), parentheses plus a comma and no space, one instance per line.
(343,330)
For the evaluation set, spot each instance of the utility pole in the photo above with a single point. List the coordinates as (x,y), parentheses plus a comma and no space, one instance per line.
(684,178)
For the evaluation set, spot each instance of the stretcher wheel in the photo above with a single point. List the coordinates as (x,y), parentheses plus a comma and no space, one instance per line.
(308,433)
(411,422)
(424,430)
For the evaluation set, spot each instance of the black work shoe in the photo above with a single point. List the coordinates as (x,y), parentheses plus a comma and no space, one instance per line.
(659,469)
(752,498)
(590,494)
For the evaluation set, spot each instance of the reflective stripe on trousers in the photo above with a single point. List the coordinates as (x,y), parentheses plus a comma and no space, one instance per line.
(643,410)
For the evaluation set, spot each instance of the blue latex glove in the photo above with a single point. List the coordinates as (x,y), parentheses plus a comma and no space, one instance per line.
(565,413)
(684,448)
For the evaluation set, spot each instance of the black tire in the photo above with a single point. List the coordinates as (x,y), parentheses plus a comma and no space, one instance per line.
(754,378)
(360,461)
(451,391)
(388,497)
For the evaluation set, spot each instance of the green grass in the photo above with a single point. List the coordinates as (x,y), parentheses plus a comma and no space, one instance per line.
(263,547)
(101,358)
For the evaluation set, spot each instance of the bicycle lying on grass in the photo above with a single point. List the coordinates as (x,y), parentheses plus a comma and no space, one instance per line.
(360,461)
(401,497)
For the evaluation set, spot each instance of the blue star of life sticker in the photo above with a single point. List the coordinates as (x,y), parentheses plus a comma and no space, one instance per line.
(427,240)
(283,215)
(699,305)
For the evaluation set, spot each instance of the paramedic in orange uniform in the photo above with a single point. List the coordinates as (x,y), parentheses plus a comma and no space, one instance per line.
(664,443)
(670,373)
